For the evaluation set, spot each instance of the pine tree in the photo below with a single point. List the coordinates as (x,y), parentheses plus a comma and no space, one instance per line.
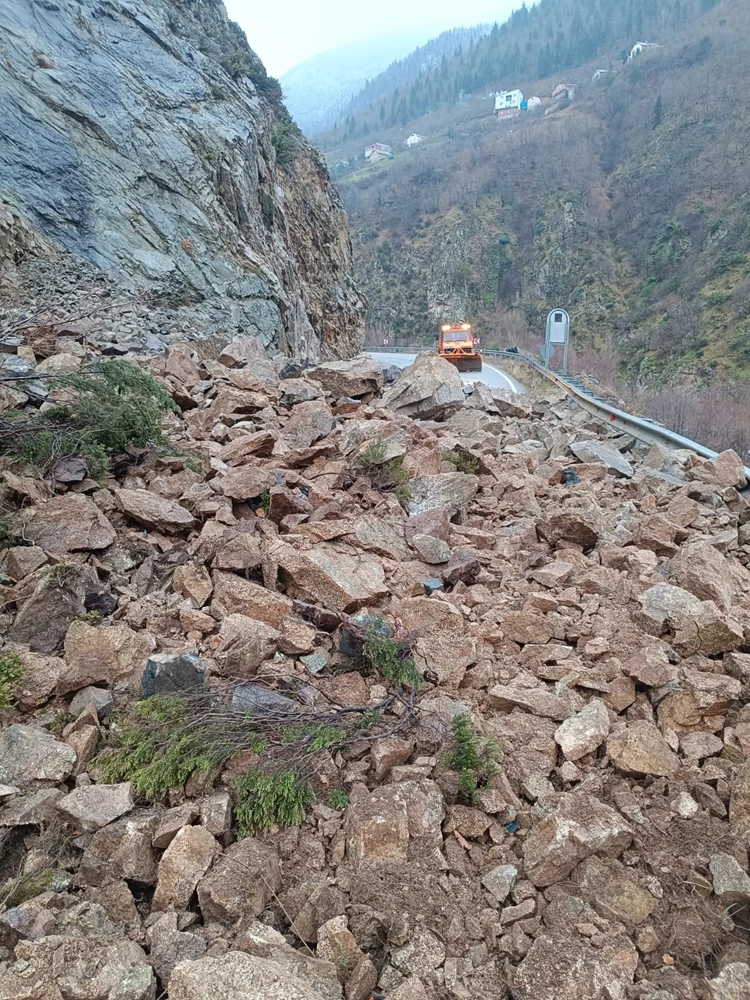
(658,113)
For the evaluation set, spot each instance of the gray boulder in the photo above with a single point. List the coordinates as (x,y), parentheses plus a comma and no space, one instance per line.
(429,388)
(30,757)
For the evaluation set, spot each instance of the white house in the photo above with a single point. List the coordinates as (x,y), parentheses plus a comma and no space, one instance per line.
(414,139)
(640,47)
(508,104)
(378,151)
(508,99)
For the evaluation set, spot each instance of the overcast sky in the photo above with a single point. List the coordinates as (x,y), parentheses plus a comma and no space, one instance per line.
(286,32)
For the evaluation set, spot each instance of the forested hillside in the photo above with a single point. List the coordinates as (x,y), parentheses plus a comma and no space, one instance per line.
(552,36)
(629,204)
(403,72)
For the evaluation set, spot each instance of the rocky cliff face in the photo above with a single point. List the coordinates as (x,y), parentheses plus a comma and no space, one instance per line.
(147,140)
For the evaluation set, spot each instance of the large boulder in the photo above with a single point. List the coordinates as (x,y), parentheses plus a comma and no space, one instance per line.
(237,976)
(154,512)
(109,654)
(240,596)
(69,523)
(308,423)
(244,644)
(122,850)
(584,732)
(563,965)
(443,644)
(241,883)
(380,826)
(183,864)
(598,453)
(429,388)
(91,807)
(704,571)
(640,749)
(689,624)
(44,617)
(352,378)
(724,470)
(579,827)
(30,757)
(336,576)
(452,491)
(245,483)
(167,673)
(732,983)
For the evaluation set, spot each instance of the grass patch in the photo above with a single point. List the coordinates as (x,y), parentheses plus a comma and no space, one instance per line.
(338,800)
(390,657)
(266,800)
(474,759)
(463,461)
(156,751)
(26,887)
(11,672)
(287,141)
(164,741)
(386,474)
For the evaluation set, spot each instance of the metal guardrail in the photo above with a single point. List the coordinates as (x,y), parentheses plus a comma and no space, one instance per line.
(641,428)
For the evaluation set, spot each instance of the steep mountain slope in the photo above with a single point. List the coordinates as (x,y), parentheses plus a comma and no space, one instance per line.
(628,205)
(145,138)
(402,72)
(318,90)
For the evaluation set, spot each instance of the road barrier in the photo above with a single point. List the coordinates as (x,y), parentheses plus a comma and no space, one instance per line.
(641,428)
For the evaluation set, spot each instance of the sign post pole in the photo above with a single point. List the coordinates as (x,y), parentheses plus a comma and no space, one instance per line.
(558,332)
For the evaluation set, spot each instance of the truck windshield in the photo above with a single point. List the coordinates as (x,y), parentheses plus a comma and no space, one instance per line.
(452,336)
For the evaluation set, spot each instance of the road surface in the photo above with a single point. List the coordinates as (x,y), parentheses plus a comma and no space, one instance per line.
(489,374)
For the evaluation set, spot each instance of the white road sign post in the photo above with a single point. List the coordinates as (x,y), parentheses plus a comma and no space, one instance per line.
(558,332)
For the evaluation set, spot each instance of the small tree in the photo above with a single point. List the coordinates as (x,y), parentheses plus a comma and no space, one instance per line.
(112,404)
(658,113)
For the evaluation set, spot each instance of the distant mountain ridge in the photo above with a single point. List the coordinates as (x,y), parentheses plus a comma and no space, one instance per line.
(318,90)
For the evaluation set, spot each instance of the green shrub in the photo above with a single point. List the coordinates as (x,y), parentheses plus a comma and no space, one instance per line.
(264,502)
(287,141)
(463,461)
(266,800)
(11,672)
(338,799)
(388,475)
(156,751)
(115,404)
(473,758)
(389,657)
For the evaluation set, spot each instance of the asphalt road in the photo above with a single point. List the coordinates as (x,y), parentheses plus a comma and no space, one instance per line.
(489,374)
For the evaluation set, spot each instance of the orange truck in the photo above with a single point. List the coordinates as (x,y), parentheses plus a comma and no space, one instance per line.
(457,344)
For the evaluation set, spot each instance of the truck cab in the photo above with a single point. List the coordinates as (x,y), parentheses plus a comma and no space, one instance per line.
(457,344)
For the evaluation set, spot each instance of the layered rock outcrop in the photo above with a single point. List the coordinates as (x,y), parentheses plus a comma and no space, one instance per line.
(146,140)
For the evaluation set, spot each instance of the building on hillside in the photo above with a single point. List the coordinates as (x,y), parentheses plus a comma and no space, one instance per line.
(640,47)
(378,151)
(602,74)
(508,104)
(534,102)
(414,139)
(563,91)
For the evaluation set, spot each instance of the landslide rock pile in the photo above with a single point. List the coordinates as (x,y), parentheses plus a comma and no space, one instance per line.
(143,148)
(581,599)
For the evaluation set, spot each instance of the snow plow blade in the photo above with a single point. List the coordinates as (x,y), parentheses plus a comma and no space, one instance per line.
(466,362)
